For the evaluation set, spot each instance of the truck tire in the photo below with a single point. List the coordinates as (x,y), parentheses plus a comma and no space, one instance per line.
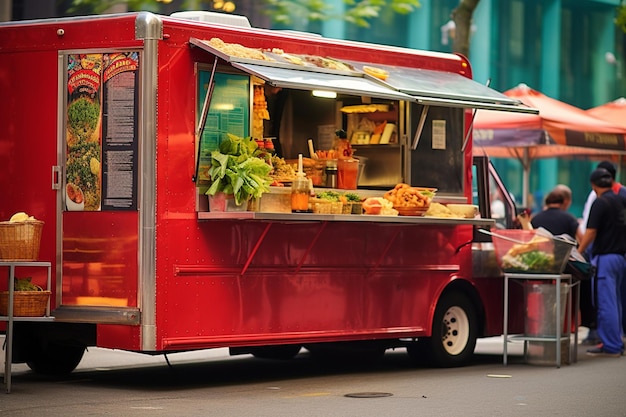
(56,359)
(453,336)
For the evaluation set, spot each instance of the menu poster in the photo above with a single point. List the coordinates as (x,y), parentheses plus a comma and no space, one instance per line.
(83,125)
(101,126)
(120,98)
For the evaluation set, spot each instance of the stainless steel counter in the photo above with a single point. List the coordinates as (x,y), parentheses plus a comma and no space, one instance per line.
(312,217)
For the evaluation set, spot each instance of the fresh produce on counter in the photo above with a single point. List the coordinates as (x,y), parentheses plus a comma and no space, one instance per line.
(529,257)
(533,261)
(25,284)
(282,172)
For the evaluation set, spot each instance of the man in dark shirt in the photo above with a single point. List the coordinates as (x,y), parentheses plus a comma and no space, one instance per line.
(606,229)
(555,218)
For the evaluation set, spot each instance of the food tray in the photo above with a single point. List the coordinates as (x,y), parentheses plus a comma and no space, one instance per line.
(527,252)
(277,60)
(352,207)
(20,241)
(326,207)
(412,211)
(25,303)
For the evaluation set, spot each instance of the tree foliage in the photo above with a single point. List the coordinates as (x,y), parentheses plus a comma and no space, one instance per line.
(284,12)
(620,20)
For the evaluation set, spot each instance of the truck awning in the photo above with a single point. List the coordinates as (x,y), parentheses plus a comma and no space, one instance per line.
(427,87)
(309,80)
(440,88)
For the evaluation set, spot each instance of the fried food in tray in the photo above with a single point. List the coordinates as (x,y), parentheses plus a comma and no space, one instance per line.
(237,50)
(403,195)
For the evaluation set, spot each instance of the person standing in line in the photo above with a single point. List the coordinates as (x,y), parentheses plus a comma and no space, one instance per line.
(555,218)
(606,230)
(617,189)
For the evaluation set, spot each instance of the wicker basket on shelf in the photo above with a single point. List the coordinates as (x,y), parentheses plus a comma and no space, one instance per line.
(25,303)
(20,241)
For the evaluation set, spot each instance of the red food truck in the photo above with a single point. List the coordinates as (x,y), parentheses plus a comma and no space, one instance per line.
(105,129)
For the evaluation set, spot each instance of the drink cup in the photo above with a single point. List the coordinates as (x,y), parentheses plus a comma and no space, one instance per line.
(347,174)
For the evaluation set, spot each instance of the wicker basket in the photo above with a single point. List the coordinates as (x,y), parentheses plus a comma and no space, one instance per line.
(25,303)
(19,241)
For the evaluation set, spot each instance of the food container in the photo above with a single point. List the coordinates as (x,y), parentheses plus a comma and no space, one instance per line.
(300,192)
(352,207)
(20,241)
(411,211)
(468,211)
(526,251)
(25,303)
(277,200)
(321,206)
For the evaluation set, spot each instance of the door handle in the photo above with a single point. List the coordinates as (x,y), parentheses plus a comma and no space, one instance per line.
(56,177)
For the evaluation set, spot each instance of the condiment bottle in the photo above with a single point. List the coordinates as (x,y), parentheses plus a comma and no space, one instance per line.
(300,190)
(331,173)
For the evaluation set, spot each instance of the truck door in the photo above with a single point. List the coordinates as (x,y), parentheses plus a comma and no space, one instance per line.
(99,216)
(491,196)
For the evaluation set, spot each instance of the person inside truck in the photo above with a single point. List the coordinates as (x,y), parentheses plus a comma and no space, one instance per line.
(276,98)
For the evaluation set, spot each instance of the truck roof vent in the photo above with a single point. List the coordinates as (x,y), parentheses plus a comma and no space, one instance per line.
(213,17)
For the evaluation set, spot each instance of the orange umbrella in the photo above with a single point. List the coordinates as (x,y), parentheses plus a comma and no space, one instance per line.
(612,112)
(559,129)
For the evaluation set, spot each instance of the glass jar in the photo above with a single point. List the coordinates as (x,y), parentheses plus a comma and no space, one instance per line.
(300,192)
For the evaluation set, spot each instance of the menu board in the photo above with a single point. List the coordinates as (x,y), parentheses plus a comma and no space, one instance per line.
(229,112)
(102,131)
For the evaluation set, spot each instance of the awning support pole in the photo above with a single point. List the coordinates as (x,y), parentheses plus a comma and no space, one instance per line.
(205,112)
(420,127)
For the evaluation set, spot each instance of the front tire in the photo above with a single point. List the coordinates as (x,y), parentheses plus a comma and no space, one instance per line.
(453,336)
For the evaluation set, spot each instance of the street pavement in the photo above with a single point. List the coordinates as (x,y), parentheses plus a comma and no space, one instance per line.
(210,383)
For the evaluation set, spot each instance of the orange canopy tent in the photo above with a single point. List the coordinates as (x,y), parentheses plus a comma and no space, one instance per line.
(612,112)
(559,129)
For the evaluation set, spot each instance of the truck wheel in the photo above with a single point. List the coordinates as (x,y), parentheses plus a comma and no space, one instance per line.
(56,359)
(284,352)
(453,335)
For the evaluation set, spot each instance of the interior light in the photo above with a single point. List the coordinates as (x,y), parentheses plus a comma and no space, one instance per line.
(324,94)
(223,106)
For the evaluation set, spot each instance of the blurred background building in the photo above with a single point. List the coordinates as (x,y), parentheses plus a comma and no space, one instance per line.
(570,50)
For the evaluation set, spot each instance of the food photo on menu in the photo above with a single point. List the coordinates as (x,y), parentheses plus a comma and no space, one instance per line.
(83,122)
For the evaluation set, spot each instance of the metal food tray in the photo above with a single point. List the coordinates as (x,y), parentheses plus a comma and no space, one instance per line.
(279,62)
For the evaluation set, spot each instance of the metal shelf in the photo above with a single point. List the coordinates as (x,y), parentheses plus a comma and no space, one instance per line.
(558,336)
(10,319)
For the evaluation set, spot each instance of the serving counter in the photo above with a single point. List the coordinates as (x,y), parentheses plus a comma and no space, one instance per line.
(312,217)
